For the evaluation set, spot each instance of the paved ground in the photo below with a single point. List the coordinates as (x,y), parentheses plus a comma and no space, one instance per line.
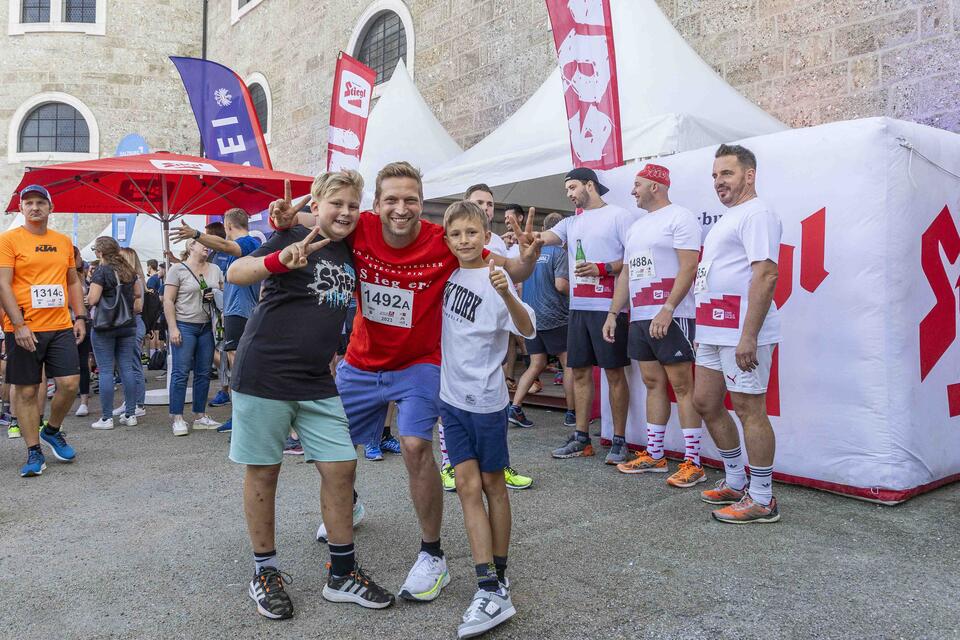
(143,537)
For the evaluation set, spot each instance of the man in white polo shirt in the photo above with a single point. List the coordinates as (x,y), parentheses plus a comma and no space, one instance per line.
(738,328)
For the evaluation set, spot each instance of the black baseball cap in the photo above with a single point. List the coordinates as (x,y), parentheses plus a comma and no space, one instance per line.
(583,175)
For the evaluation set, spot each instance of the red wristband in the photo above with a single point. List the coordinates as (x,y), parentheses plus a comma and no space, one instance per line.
(273,264)
(602,267)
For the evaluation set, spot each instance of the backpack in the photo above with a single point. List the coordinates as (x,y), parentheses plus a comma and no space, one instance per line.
(152,308)
(158,361)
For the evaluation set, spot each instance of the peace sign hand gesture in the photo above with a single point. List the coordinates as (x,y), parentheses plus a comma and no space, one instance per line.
(283,212)
(530,242)
(294,256)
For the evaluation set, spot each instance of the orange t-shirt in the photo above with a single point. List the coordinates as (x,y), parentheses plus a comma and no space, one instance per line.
(40,264)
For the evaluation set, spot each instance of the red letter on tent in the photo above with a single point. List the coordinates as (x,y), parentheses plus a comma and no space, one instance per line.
(938,329)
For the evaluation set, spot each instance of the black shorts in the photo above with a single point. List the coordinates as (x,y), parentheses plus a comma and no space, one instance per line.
(676,346)
(233,327)
(56,351)
(550,341)
(586,346)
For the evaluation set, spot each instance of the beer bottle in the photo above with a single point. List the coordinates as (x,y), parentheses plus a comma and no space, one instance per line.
(581,256)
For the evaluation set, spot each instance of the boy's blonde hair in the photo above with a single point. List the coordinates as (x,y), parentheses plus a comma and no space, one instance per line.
(464,209)
(326,184)
(400,169)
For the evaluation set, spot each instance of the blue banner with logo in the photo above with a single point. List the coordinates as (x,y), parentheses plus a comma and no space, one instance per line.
(122,225)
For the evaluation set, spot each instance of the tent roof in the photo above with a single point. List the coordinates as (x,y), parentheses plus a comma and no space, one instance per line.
(670,101)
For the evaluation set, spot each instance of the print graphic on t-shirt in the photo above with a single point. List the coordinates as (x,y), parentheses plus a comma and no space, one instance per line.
(603,288)
(461,301)
(333,284)
(655,294)
(720,312)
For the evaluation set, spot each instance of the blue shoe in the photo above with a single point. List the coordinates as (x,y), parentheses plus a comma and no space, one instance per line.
(35,464)
(390,445)
(570,419)
(518,418)
(372,452)
(220,399)
(226,427)
(58,443)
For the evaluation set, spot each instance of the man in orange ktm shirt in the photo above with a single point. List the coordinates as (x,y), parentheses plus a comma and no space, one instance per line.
(37,279)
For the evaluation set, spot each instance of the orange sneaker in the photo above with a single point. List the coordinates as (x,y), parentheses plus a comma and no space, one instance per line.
(687,475)
(722,494)
(747,511)
(643,463)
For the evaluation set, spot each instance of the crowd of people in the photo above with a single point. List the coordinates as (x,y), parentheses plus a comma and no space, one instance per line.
(344,323)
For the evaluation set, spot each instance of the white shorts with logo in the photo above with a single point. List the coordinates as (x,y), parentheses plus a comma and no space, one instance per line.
(724,360)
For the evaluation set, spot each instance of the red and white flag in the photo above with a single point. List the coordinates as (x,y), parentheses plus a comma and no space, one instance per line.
(583,34)
(349,109)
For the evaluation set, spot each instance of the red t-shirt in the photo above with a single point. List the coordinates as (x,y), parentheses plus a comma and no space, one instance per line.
(399,298)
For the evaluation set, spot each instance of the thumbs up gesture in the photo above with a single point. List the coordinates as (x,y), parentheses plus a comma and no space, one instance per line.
(499,280)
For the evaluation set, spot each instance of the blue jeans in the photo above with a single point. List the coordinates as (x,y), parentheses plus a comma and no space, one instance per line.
(116,347)
(195,353)
(138,365)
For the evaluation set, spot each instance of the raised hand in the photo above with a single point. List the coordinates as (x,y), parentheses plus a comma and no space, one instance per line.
(283,212)
(294,256)
(530,242)
(499,280)
(184,232)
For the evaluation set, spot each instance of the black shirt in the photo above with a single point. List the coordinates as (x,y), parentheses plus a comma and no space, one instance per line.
(293,332)
(106,277)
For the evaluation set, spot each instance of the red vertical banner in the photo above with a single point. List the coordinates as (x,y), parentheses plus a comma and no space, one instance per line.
(583,34)
(349,109)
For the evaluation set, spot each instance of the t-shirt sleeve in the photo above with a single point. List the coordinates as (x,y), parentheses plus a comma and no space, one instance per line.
(507,320)
(100,277)
(560,229)
(686,232)
(560,266)
(248,244)
(760,233)
(625,220)
(173,276)
(8,252)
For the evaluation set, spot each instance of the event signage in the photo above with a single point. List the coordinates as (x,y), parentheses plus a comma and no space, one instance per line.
(583,35)
(349,110)
(122,224)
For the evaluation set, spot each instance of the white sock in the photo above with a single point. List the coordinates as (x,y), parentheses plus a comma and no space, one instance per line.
(444,458)
(262,560)
(655,440)
(691,439)
(761,484)
(733,465)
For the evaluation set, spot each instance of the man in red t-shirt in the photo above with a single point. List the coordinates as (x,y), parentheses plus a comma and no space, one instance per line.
(402,265)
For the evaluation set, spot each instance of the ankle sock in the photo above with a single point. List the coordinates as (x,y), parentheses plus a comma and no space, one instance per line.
(355,497)
(691,441)
(655,433)
(265,559)
(619,441)
(582,436)
(761,484)
(342,559)
(36,448)
(733,465)
(500,562)
(49,429)
(433,548)
(487,577)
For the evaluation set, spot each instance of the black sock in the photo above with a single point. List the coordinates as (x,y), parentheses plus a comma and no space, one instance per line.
(583,436)
(487,577)
(619,440)
(355,497)
(433,548)
(386,434)
(500,562)
(35,447)
(342,559)
(49,429)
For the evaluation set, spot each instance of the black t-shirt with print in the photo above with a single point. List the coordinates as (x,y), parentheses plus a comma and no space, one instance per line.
(293,332)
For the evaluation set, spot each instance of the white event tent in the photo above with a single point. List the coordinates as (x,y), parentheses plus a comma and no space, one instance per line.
(670,101)
(147,237)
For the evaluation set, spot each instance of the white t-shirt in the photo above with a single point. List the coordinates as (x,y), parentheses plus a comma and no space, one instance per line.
(496,245)
(650,256)
(747,233)
(473,343)
(601,232)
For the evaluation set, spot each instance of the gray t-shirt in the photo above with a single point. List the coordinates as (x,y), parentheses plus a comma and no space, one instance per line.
(189,305)
(540,292)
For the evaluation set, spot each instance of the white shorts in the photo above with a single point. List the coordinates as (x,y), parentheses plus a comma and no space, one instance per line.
(724,359)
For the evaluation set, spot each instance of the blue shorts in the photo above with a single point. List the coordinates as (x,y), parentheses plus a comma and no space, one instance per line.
(367,394)
(476,436)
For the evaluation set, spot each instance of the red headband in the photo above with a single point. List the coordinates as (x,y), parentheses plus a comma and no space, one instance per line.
(656,173)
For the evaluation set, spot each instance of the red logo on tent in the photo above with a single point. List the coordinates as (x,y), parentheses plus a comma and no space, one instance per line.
(354,94)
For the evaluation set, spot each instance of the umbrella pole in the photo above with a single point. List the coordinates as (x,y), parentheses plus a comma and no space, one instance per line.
(165,216)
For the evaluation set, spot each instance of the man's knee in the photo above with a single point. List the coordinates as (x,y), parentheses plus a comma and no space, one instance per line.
(616,376)
(263,473)
(583,374)
(416,451)
(750,408)
(68,385)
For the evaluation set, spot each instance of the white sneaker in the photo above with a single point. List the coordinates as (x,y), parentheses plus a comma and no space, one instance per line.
(82,410)
(102,424)
(180,427)
(205,422)
(427,577)
(140,411)
(358,513)
(120,410)
(487,610)
(129,421)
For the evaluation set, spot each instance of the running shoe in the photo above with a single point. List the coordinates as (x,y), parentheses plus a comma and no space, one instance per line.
(220,399)
(36,463)
(51,390)
(426,578)
(358,513)
(139,411)
(5,419)
(82,410)
(448,478)
(487,610)
(390,445)
(617,454)
(61,450)
(180,427)
(570,419)
(226,427)
(13,431)
(687,475)
(518,417)
(144,359)
(292,447)
(515,480)
(205,422)
(723,493)
(558,379)
(128,421)
(644,463)
(102,424)
(357,587)
(372,452)
(266,589)
(747,511)
(574,448)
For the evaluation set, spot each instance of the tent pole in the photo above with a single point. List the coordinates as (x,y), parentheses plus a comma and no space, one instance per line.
(165,217)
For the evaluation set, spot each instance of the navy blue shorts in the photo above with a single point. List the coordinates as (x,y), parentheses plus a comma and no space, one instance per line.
(476,436)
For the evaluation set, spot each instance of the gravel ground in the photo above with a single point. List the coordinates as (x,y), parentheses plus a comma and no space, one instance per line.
(143,537)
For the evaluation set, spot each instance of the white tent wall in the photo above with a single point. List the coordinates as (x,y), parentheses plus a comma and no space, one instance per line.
(147,237)
(852,414)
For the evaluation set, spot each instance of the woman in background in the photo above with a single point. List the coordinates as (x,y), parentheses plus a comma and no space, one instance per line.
(130,255)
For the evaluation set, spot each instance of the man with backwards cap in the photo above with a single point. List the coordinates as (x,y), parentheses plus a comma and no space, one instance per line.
(660,254)
(38,278)
(597,236)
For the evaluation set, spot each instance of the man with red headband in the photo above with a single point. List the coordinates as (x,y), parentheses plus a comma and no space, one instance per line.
(660,254)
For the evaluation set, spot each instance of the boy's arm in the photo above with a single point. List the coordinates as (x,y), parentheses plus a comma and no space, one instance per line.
(518,312)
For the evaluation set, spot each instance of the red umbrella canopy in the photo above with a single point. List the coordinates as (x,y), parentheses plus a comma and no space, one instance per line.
(163,185)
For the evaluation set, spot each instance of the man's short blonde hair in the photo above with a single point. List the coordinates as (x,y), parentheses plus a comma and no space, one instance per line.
(464,209)
(326,184)
(400,169)
(237,217)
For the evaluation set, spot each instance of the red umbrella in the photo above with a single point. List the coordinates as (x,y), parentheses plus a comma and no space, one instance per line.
(161,185)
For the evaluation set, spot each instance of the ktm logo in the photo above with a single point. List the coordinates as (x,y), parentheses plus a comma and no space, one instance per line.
(45,248)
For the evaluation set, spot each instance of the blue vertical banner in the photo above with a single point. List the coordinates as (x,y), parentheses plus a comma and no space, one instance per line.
(122,225)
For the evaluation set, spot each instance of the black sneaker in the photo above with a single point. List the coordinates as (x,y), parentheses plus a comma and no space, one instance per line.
(357,587)
(266,589)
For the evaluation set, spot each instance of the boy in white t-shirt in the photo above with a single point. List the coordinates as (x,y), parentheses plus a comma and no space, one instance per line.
(480,311)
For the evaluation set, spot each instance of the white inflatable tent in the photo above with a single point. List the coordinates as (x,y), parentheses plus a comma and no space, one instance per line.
(147,237)
(670,101)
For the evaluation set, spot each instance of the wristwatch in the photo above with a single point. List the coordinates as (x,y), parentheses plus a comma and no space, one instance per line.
(196,234)
(84,318)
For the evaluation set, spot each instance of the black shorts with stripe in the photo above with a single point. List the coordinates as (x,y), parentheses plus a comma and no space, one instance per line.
(676,346)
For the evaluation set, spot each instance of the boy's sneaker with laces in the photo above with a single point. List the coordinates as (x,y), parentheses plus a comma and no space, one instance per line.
(723,493)
(292,447)
(35,465)
(61,450)
(518,417)
(644,463)
(102,424)
(487,610)
(516,481)
(220,399)
(570,419)
(390,445)
(226,427)
(205,422)
(266,589)
(358,513)
(448,478)
(180,427)
(687,475)
(372,452)
(748,511)
(617,454)
(359,588)
(574,448)
(426,578)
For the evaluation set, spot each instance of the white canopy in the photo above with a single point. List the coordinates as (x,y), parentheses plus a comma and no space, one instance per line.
(670,101)
(147,237)
(402,127)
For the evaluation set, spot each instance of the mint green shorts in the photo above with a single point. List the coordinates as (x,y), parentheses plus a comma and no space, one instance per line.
(261,426)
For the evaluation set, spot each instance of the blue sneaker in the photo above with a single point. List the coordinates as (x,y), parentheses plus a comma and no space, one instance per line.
(570,419)
(390,445)
(518,418)
(58,443)
(372,452)
(35,464)
(226,427)
(220,399)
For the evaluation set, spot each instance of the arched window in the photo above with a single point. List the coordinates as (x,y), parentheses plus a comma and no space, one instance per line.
(260,106)
(384,42)
(54,127)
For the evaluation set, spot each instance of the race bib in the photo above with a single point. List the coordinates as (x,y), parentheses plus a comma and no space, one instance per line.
(47,296)
(387,305)
(700,285)
(642,267)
